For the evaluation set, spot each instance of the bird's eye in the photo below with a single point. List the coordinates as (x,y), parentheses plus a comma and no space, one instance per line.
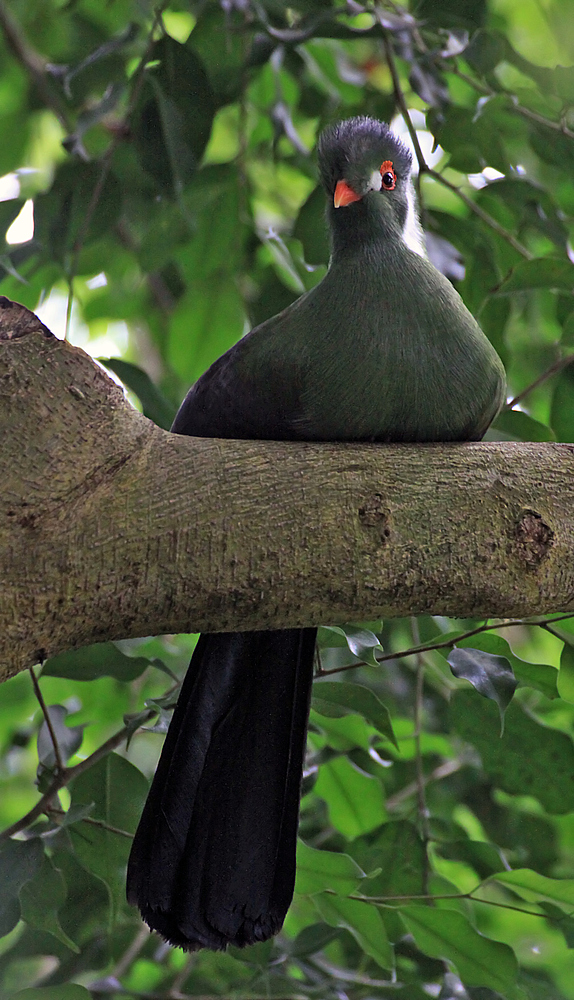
(388,176)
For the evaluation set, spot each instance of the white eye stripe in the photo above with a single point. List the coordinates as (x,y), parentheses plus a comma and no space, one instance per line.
(375,181)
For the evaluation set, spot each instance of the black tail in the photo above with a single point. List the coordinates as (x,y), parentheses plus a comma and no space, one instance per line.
(213,859)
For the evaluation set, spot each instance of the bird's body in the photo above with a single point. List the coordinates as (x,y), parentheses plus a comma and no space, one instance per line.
(382,349)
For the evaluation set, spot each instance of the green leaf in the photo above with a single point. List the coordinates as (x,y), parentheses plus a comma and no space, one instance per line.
(492,676)
(62,216)
(337,695)
(205,323)
(529,758)
(362,920)
(545,272)
(154,404)
(311,939)
(311,228)
(41,898)
(354,799)
(562,410)
(566,674)
(522,427)
(540,676)
(66,991)
(321,870)
(483,857)
(447,935)
(534,887)
(20,860)
(361,641)
(118,791)
(103,659)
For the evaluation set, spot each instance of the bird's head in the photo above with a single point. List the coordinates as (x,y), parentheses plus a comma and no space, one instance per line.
(366,170)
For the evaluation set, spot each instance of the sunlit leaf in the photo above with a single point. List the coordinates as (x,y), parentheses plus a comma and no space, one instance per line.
(321,870)
(354,698)
(362,920)
(354,799)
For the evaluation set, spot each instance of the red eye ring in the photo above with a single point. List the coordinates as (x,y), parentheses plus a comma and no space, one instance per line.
(388,175)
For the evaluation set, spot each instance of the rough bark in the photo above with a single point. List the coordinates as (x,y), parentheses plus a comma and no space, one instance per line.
(111,527)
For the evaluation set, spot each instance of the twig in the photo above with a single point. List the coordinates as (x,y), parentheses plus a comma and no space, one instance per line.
(34,65)
(488,219)
(448,643)
(59,762)
(420,776)
(176,986)
(106,826)
(66,776)
(515,108)
(400,98)
(431,897)
(552,370)
(442,771)
(123,963)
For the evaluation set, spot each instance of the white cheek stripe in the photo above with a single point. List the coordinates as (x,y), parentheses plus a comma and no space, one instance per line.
(375,181)
(413,232)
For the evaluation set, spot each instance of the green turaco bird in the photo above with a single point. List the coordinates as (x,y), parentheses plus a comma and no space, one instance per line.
(383,349)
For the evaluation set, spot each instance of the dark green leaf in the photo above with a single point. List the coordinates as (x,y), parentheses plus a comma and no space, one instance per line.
(62,217)
(562,411)
(103,659)
(492,676)
(154,404)
(546,272)
(522,427)
(311,228)
(529,759)
(41,898)
(173,124)
(68,991)
(311,939)
(20,860)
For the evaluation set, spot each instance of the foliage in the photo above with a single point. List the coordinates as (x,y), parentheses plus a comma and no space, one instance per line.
(168,154)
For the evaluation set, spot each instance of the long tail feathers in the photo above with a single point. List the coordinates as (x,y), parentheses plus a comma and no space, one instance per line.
(213,859)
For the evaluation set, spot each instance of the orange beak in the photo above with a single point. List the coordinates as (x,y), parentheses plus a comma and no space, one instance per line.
(344,195)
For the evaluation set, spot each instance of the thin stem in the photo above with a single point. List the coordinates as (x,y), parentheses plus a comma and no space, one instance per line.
(131,953)
(488,219)
(431,897)
(400,98)
(448,643)
(552,370)
(517,108)
(442,771)
(66,776)
(60,766)
(106,826)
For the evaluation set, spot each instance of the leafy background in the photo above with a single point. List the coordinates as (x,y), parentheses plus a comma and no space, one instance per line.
(159,196)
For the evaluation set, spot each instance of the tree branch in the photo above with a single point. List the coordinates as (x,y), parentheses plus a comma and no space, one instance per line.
(112,528)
